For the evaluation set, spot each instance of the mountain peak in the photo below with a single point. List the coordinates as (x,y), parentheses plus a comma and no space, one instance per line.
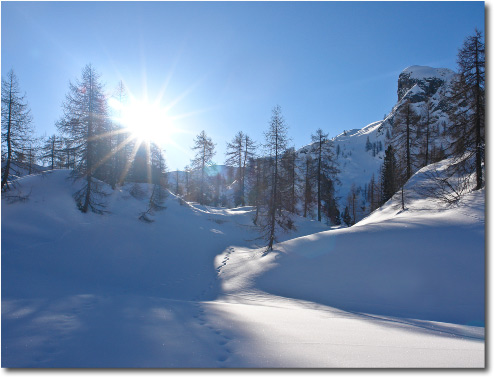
(427,80)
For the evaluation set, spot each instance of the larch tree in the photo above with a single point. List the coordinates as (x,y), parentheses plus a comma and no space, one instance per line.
(288,183)
(275,217)
(17,126)
(204,147)
(84,124)
(404,128)
(467,116)
(428,121)
(307,186)
(238,153)
(51,151)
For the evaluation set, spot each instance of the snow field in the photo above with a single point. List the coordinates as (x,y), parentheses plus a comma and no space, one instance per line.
(195,290)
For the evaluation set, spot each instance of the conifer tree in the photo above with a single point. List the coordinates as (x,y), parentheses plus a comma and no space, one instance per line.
(84,123)
(51,151)
(274,216)
(347,219)
(322,147)
(307,186)
(404,128)
(17,126)
(239,151)
(467,116)
(288,182)
(388,175)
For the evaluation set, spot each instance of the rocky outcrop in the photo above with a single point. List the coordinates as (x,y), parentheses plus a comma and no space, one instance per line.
(418,83)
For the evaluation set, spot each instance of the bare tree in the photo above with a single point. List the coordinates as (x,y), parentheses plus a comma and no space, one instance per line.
(274,217)
(51,151)
(84,123)
(467,116)
(204,147)
(16,124)
(239,151)
(322,147)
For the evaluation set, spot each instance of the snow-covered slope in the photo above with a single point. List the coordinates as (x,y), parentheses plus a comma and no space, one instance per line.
(426,262)
(192,289)
(360,152)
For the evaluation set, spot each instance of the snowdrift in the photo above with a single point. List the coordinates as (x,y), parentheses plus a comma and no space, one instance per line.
(426,262)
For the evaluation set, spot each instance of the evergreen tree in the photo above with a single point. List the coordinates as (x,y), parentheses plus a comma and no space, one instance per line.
(16,124)
(388,175)
(347,219)
(368,145)
(204,147)
(330,206)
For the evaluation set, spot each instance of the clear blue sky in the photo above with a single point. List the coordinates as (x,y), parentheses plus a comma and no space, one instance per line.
(332,65)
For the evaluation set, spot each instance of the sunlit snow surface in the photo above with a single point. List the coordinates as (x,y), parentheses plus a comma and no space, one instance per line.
(193,288)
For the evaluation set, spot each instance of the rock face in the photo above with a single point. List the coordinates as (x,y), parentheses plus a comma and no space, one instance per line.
(419,83)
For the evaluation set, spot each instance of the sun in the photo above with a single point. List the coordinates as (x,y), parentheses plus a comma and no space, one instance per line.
(145,121)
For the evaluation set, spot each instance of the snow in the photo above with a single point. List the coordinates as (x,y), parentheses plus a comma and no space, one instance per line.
(423,72)
(194,288)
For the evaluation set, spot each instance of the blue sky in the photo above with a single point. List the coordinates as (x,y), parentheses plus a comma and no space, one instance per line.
(225,65)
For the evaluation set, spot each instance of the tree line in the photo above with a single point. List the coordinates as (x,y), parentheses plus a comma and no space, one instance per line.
(270,176)
(91,141)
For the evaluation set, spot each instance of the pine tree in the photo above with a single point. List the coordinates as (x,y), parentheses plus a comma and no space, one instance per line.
(84,123)
(204,147)
(467,116)
(16,124)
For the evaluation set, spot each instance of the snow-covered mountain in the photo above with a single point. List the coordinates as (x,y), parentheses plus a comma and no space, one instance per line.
(360,152)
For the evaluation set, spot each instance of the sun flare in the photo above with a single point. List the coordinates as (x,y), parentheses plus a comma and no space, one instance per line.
(145,121)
